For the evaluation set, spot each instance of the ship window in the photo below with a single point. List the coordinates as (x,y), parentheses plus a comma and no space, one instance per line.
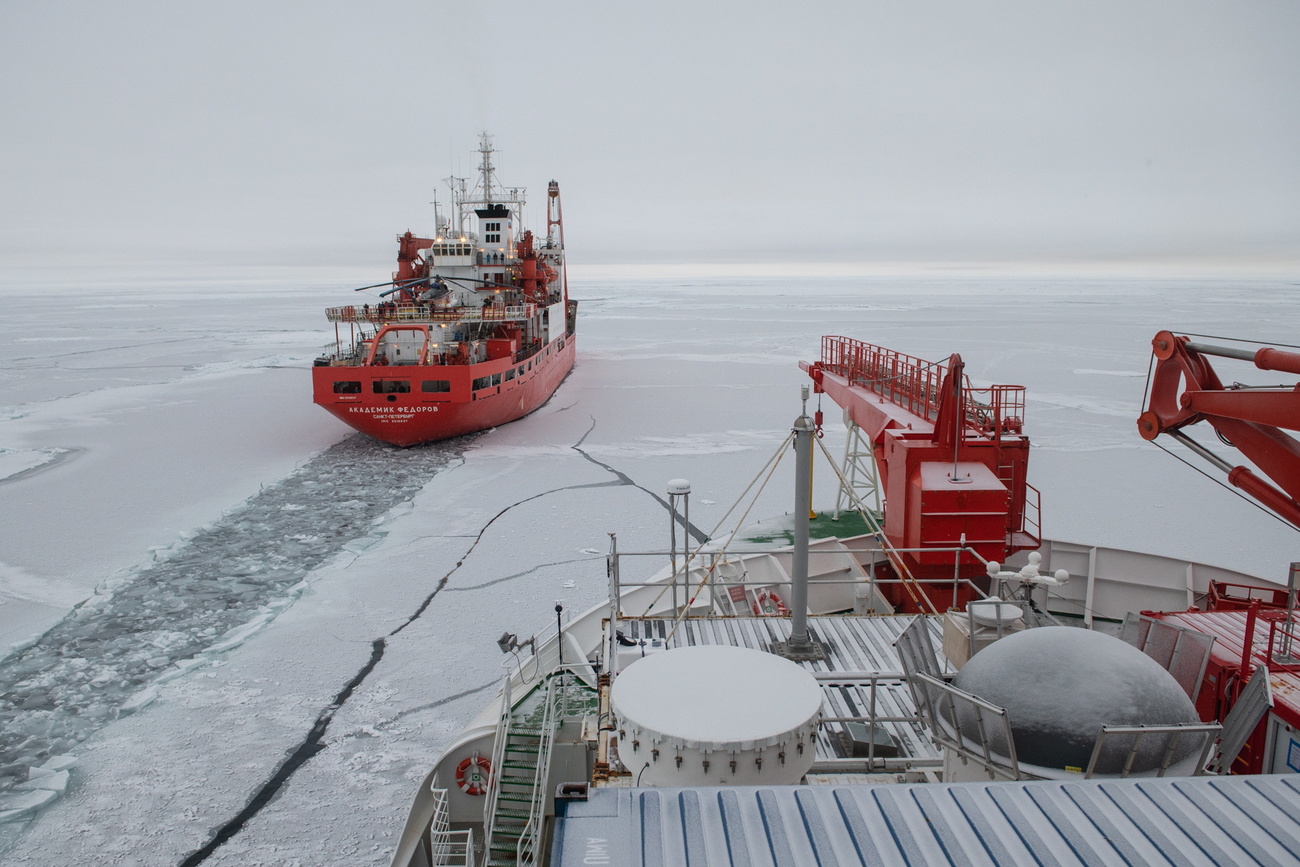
(510,374)
(493,238)
(482,382)
(347,388)
(496,379)
(435,385)
(521,370)
(391,386)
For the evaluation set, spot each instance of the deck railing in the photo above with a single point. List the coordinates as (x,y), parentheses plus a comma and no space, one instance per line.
(914,384)
(387,315)
(448,848)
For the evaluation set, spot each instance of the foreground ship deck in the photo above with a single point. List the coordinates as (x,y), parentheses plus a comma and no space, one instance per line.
(758,702)
(475,329)
(1191,821)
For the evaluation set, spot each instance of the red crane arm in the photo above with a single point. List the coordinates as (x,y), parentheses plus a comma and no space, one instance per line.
(952,459)
(1186,390)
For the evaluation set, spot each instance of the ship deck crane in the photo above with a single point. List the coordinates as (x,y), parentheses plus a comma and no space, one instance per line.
(1185,390)
(951,460)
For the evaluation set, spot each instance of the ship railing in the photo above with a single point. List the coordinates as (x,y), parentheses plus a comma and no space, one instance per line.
(872,721)
(1231,596)
(973,728)
(1118,747)
(448,848)
(1283,652)
(416,313)
(1180,650)
(686,590)
(981,732)
(498,757)
(915,385)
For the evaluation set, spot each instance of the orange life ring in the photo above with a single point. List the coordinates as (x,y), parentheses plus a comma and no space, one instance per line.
(472,775)
(767,603)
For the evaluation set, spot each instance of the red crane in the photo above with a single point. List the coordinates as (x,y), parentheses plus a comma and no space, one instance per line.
(1185,390)
(952,462)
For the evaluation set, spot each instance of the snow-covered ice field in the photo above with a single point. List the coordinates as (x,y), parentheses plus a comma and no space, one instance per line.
(243,632)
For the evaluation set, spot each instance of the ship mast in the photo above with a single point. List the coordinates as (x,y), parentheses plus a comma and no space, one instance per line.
(458,200)
(485,166)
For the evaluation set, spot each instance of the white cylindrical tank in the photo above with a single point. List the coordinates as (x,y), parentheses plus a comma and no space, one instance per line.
(716,715)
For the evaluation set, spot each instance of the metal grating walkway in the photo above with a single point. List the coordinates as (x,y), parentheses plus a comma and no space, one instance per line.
(857,647)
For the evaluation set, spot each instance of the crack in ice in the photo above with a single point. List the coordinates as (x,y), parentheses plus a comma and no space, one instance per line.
(700,535)
(313,743)
(205,596)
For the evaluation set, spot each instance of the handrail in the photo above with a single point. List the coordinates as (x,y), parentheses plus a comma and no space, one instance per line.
(556,709)
(1175,736)
(1283,643)
(939,709)
(914,384)
(416,313)
(448,848)
(498,757)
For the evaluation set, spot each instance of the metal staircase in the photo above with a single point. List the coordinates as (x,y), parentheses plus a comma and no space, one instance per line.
(516,810)
(517,790)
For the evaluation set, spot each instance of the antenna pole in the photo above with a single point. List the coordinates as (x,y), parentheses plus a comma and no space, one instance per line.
(801,647)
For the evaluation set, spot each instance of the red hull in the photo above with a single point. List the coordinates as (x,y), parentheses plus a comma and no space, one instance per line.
(412,417)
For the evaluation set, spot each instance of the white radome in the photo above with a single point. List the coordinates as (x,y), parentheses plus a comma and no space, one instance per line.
(716,715)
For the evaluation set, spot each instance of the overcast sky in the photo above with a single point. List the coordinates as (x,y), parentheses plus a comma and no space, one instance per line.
(275,132)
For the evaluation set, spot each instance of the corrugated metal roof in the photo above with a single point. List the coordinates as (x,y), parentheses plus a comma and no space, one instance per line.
(1185,821)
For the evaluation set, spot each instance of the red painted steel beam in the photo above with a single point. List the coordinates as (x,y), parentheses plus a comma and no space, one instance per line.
(1186,390)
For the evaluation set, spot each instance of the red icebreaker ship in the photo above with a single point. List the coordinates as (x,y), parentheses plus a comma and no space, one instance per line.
(475,329)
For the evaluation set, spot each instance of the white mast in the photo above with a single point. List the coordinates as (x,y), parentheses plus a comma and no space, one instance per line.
(485,166)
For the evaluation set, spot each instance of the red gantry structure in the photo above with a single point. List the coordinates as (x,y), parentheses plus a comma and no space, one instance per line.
(476,328)
(951,461)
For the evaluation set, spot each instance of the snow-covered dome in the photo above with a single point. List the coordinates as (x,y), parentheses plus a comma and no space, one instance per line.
(1060,684)
(716,715)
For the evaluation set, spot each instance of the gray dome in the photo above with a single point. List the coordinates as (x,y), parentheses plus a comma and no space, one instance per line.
(1061,684)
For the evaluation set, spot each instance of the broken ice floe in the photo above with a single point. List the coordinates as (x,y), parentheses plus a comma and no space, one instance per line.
(17,463)
(199,597)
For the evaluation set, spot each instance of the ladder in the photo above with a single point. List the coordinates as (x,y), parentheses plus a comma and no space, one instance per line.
(522,762)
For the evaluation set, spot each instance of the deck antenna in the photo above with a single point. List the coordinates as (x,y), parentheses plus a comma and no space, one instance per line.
(801,647)
(485,166)
(458,198)
(439,225)
(679,489)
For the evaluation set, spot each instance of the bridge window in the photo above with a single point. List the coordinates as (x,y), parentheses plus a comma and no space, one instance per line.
(435,385)
(391,386)
(349,387)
